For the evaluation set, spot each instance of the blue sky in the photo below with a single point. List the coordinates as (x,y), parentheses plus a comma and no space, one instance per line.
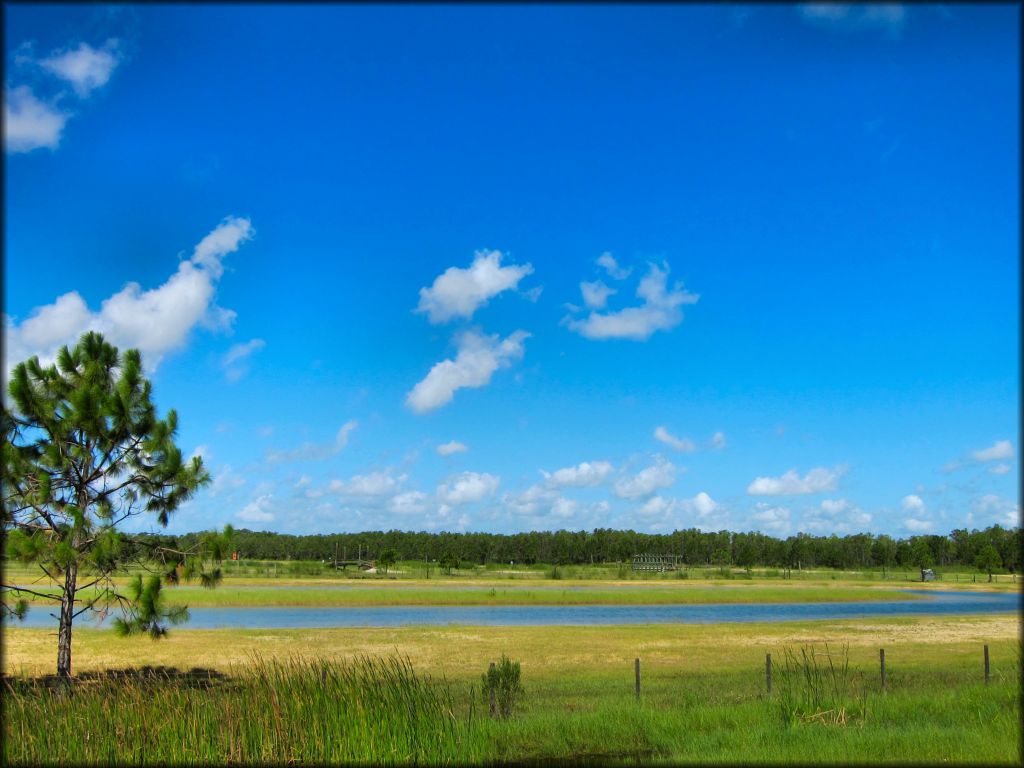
(508,268)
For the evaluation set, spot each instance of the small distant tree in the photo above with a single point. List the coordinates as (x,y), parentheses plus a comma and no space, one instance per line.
(921,554)
(386,559)
(448,561)
(988,560)
(83,451)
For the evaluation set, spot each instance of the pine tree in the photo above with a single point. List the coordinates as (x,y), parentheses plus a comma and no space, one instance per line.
(83,451)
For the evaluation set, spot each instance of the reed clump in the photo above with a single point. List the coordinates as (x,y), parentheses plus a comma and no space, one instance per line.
(371,710)
(818,686)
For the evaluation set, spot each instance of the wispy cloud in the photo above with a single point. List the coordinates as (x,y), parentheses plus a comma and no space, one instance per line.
(156,322)
(817,480)
(460,292)
(608,263)
(478,358)
(234,362)
(659,311)
(848,17)
(30,123)
(451,447)
(682,444)
(85,68)
(1000,450)
(310,451)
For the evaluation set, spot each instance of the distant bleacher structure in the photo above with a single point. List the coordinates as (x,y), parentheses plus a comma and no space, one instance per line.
(657,562)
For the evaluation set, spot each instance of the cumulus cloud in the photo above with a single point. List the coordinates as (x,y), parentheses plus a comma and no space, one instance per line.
(408,503)
(156,322)
(30,123)
(373,484)
(661,474)
(1002,511)
(310,451)
(595,295)
(467,487)
(684,444)
(817,480)
(608,263)
(234,360)
(913,504)
(1001,449)
(917,525)
(478,358)
(85,68)
(582,475)
(659,311)
(257,511)
(460,292)
(449,448)
(838,516)
(855,16)
(772,519)
(535,500)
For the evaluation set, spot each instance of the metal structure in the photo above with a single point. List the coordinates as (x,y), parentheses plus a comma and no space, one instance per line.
(657,562)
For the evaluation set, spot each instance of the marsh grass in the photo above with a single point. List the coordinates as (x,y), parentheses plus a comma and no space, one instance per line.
(818,686)
(371,710)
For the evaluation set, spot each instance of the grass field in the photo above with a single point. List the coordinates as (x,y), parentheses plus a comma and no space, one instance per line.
(703,692)
(307,695)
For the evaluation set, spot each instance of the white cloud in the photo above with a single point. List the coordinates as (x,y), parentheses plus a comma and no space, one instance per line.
(371,484)
(477,359)
(770,518)
(854,16)
(315,451)
(791,484)
(718,441)
(1000,469)
(836,516)
(234,360)
(85,68)
(684,444)
(1002,511)
(595,295)
(913,504)
(156,322)
(535,500)
(467,487)
(917,525)
(564,508)
(447,449)
(257,511)
(30,123)
(1001,449)
(408,503)
(582,475)
(661,474)
(226,481)
(659,312)
(460,292)
(607,262)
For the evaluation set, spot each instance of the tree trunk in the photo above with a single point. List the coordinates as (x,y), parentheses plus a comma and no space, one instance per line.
(67,609)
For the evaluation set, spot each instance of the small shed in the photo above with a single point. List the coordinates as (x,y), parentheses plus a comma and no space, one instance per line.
(927,574)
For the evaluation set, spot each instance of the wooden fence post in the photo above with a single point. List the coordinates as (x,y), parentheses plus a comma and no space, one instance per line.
(493,699)
(881,659)
(986,665)
(636,666)
(768,671)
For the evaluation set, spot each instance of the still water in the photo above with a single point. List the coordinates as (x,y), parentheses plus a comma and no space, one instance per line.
(935,603)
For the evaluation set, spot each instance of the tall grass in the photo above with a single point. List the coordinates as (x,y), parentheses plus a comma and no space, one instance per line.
(818,686)
(373,710)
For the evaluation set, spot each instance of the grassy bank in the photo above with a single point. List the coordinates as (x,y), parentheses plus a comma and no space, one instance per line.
(703,697)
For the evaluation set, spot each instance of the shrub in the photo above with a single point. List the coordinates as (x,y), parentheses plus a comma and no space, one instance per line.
(817,686)
(501,685)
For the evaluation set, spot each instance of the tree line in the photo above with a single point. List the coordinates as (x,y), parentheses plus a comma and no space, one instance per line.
(995,548)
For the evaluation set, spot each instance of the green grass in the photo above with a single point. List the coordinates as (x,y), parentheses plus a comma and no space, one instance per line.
(382,712)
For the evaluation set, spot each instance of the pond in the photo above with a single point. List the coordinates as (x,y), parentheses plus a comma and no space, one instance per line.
(935,603)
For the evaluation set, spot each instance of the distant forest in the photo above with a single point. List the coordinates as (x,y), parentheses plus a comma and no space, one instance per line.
(994,548)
